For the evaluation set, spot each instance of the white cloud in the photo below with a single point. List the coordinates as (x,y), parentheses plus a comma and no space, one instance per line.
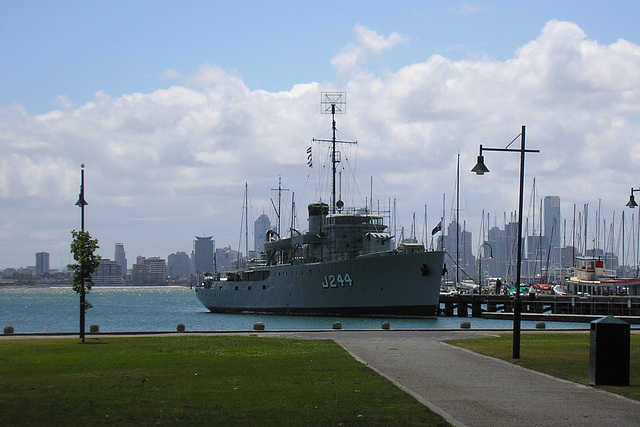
(171,74)
(465,9)
(214,75)
(167,165)
(368,42)
(64,102)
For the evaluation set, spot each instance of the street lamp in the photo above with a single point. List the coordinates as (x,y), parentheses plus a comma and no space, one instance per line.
(632,201)
(481,169)
(632,204)
(480,264)
(82,203)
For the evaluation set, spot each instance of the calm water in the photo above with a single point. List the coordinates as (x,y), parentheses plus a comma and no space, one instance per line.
(161,308)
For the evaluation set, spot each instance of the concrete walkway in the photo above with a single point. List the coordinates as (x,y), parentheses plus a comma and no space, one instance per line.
(468,389)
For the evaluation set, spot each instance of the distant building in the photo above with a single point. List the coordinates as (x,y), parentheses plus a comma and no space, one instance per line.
(226,259)
(8,272)
(42,263)
(157,269)
(260,228)
(203,249)
(149,271)
(108,273)
(178,265)
(121,257)
(140,273)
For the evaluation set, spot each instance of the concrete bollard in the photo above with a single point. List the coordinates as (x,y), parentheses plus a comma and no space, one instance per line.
(181,327)
(8,330)
(465,325)
(337,325)
(258,326)
(541,325)
(94,329)
(386,325)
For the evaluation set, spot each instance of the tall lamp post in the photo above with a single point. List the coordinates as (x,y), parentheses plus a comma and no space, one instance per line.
(480,264)
(481,169)
(82,203)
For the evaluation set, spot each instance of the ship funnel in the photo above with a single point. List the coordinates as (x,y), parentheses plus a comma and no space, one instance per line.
(317,211)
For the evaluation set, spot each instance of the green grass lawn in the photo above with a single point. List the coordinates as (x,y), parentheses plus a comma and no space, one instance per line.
(193,380)
(563,355)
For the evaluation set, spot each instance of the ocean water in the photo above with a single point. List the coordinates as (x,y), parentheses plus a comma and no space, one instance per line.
(162,308)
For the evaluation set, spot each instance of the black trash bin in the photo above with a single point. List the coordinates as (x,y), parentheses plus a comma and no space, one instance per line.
(609,356)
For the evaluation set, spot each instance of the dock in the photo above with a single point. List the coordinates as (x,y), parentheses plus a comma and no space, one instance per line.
(540,307)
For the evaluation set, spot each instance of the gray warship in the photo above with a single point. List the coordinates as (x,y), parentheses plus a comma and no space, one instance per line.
(343,265)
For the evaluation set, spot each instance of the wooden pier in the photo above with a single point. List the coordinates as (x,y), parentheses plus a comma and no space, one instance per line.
(463,305)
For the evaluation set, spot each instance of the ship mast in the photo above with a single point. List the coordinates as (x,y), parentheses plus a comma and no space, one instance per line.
(334,103)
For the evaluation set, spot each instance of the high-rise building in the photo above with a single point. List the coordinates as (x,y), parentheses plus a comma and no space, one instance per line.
(203,249)
(149,271)
(121,258)
(260,228)
(178,265)
(42,263)
(108,273)
(496,266)
(157,269)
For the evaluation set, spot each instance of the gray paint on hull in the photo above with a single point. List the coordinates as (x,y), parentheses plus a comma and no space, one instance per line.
(385,284)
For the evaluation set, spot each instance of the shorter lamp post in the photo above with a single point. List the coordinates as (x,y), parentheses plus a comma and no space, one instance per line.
(481,169)
(480,264)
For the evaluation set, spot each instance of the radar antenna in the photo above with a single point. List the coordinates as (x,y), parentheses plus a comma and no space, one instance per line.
(334,103)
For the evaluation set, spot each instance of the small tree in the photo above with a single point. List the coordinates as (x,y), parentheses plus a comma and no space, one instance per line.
(83,248)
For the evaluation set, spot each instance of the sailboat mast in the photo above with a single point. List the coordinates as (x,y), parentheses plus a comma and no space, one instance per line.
(623,260)
(442,235)
(293,215)
(246,219)
(458,222)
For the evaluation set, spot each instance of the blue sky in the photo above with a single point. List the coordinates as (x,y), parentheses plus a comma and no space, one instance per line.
(173,106)
(76,48)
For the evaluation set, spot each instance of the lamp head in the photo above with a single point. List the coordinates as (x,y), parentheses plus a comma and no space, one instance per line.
(480,168)
(632,202)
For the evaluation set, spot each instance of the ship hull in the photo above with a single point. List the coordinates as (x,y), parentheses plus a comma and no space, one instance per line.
(393,285)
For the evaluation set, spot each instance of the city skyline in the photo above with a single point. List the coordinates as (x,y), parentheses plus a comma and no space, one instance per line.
(174,109)
(542,243)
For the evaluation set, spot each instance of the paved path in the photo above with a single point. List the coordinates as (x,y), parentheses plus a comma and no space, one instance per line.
(474,390)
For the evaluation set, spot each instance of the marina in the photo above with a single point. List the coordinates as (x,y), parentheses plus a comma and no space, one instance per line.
(570,308)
